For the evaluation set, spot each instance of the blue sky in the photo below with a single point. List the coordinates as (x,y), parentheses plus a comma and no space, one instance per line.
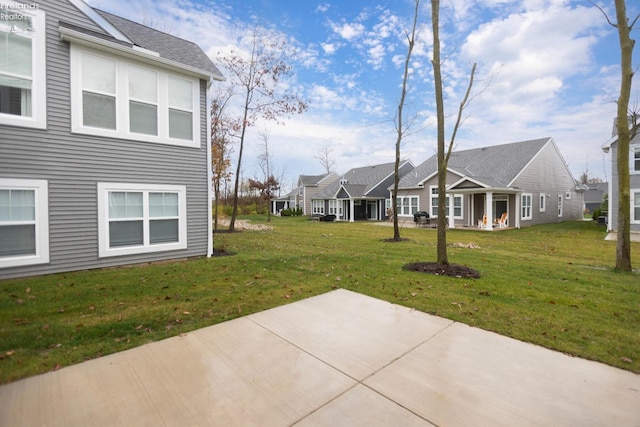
(545,68)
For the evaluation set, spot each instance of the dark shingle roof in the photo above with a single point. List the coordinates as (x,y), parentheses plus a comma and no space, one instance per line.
(359,182)
(496,166)
(168,46)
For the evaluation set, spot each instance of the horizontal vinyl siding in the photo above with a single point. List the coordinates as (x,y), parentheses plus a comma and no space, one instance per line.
(74,164)
(547,174)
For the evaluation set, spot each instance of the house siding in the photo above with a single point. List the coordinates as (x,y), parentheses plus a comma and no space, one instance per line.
(310,192)
(634,184)
(73,164)
(547,174)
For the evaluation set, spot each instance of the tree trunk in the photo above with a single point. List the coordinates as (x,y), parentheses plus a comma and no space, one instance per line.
(623,247)
(442,166)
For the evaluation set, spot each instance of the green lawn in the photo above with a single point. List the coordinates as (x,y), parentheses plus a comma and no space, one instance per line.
(551,285)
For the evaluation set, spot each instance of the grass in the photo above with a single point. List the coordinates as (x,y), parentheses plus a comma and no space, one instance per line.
(551,285)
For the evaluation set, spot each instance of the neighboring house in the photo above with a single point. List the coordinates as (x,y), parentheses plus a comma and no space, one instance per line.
(104,146)
(611,146)
(529,181)
(359,194)
(306,188)
(594,196)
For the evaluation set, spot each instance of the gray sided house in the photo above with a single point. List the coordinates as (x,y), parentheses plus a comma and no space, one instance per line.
(634,180)
(528,182)
(104,150)
(306,188)
(360,194)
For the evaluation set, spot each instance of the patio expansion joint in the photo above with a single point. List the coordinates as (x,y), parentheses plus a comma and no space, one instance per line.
(358,381)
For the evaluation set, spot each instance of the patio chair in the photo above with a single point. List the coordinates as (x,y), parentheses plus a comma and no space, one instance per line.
(482,223)
(502,222)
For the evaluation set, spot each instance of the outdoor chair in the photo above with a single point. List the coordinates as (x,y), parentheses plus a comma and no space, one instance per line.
(482,223)
(502,221)
(422,219)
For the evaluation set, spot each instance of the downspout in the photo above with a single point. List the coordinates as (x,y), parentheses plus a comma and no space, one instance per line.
(209,182)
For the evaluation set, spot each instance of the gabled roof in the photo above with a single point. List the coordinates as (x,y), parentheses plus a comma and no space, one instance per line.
(127,37)
(360,182)
(492,167)
(312,180)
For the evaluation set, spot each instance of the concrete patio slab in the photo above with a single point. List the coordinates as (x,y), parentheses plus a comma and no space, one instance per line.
(355,334)
(336,359)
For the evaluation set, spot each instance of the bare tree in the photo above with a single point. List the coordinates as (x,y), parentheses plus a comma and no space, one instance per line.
(442,155)
(256,79)
(324,155)
(222,128)
(264,160)
(623,245)
(401,127)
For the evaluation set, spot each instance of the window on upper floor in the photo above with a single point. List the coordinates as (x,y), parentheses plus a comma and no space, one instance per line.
(136,218)
(119,98)
(22,66)
(24,222)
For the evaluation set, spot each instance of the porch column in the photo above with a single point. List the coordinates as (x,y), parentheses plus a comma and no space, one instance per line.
(489,210)
(352,213)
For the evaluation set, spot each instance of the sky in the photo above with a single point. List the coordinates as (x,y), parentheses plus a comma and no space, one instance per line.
(545,68)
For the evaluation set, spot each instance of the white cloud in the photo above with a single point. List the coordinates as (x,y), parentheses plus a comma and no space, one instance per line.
(329,48)
(348,31)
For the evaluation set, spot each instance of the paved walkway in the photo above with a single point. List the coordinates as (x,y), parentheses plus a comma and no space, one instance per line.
(338,359)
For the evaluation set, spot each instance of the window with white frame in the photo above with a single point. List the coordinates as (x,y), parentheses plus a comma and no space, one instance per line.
(526,200)
(317,207)
(543,202)
(407,205)
(141,218)
(457,203)
(120,98)
(333,207)
(634,161)
(560,202)
(24,222)
(22,66)
(635,206)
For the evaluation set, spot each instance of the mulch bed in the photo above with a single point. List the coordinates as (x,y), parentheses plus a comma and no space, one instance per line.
(453,270)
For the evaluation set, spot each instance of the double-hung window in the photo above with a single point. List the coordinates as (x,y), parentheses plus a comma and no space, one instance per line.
(634,161)
(118,97)
(526,200)
(457,203)
(560,205)
(141,218)
(635,206)
(24,222)
(317,207)
(22,66)
(407,205)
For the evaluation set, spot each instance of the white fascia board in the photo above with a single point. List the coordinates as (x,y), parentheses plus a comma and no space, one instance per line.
(79,37)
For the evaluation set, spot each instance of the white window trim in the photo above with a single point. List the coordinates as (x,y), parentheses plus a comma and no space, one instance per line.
(317,207)
(38,118)
(522,206)
(560,206)
(41,189)
(450,199)
(103,218)
(543,202)
(122,101)
(633,192)
(399,201)
(632,151)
